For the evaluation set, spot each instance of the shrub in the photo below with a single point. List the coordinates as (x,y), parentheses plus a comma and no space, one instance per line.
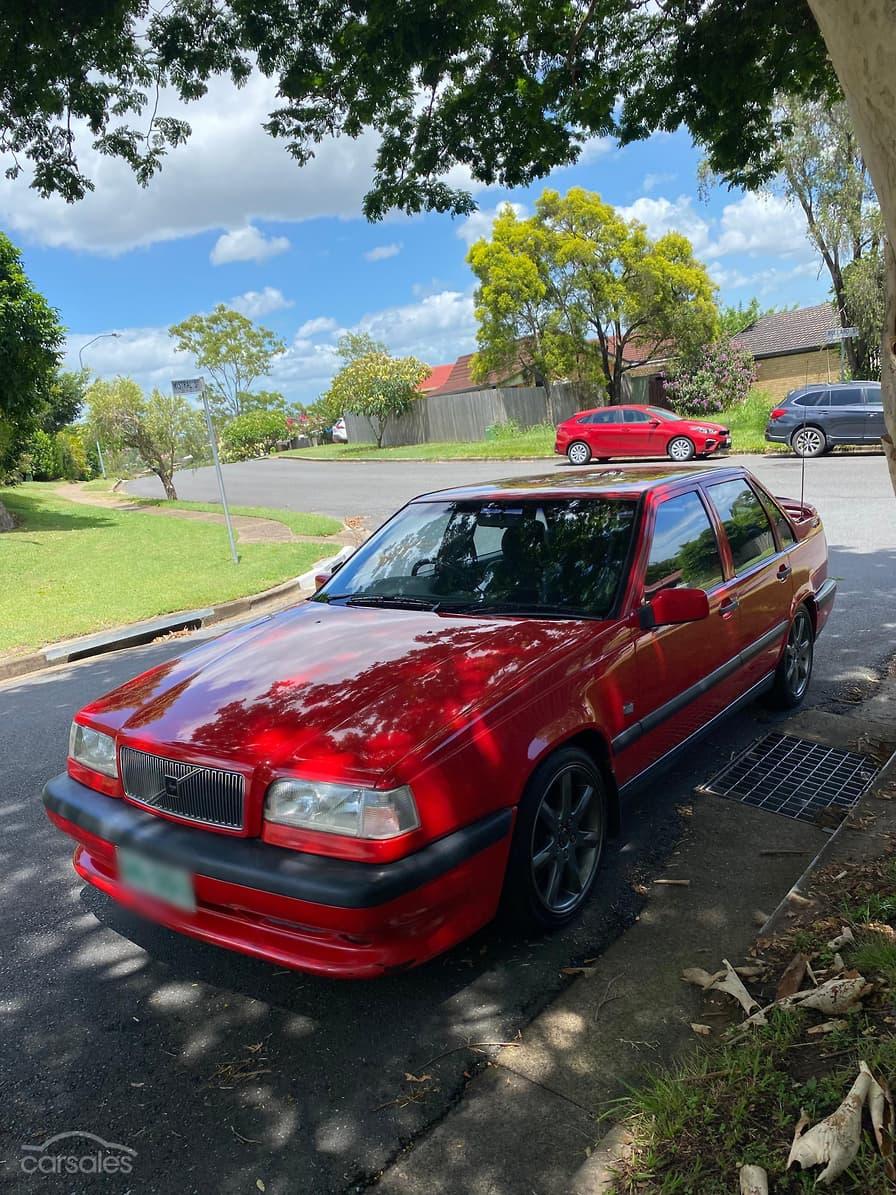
(253,434)
(41,452)
(72,459)
(509,429)
(717,377)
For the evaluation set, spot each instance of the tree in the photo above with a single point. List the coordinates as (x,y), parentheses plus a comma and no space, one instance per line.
(253,434)
(736,319)
(161,429)
(715,378)
(30,351)
(352,345)
(377,386)
(64,400)
(233,350)
(865,302)
(507,89)
(581,286)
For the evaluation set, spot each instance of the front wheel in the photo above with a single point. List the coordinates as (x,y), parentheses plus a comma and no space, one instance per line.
(809,441)
(681,449)
(578,453)
(558,841)
(794,669)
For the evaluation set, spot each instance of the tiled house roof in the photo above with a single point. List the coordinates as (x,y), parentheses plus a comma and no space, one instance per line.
(436,378)
(784,332)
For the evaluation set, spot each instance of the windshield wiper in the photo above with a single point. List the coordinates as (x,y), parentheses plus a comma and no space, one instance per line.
(518,609)
(399,601)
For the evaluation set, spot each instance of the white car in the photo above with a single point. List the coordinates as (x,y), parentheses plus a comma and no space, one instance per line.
(340,432)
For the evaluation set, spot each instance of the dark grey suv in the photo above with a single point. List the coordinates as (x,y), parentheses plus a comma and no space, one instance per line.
(815,419)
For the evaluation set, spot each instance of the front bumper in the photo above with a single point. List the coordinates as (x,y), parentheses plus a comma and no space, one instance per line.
(329,916)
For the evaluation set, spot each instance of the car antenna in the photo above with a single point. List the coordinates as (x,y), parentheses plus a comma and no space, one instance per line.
(803,453)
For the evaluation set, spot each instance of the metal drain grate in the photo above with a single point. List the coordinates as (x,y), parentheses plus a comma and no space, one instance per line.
(795,777)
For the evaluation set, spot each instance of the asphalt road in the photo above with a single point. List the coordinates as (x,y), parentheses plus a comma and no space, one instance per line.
(219,1070)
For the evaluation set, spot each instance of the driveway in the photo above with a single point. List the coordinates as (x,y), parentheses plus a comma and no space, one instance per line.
(220,1071)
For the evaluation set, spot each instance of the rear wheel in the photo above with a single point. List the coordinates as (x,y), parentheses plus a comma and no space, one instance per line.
(578,453)
(558,841)
(681,449)
(808,441)
(794,669)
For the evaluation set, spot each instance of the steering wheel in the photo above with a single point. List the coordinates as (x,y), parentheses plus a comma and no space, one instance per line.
(441,567)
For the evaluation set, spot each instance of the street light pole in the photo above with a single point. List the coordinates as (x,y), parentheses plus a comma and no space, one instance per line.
(101,336)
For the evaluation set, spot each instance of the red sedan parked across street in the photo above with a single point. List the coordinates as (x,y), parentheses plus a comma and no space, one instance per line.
(452,724)
(638,431)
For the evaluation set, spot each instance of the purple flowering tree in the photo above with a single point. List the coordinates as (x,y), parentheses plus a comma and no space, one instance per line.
(718,376)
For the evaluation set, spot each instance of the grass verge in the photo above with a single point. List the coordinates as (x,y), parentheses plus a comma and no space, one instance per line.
(737,1102)
(69,569)
(747,423)
(296,521)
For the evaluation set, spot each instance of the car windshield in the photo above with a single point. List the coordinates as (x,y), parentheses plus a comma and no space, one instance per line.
(660,413)
(561,559)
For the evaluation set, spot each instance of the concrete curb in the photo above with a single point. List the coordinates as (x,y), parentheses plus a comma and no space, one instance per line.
(139,633)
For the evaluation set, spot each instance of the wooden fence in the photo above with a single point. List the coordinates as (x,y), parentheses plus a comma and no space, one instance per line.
(466,416)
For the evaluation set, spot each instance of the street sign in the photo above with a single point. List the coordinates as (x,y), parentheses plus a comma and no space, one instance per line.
(836,334)
(188,386)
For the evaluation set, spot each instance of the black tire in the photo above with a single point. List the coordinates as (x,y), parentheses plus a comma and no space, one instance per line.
(794,671)
(680,449)
(556,851)
(809,441)
(601,460)
(578,453)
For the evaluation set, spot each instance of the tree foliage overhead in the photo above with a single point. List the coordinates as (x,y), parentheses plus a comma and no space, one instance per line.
(161,429)
(580,289)
(234,351)
(508,89)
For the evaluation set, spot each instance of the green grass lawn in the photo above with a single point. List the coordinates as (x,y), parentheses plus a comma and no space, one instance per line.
(747,423)
(69,569)
(296,521)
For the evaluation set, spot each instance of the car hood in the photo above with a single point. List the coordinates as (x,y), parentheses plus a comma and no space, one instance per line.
(693,424)
(347,691)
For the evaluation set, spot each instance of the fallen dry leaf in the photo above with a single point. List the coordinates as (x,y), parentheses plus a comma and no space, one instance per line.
(733,985)
(416,1078)
(753,1181)
(759,918)
(833,996)
(792,978)
(844,938)
(827,1027)
(834,1141)
(880,1109)
(701,1030)
(699,977)
(751,970)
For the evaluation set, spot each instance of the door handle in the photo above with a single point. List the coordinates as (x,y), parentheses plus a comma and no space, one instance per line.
(728,606)
(784,572)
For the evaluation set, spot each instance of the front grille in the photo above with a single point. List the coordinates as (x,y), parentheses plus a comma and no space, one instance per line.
(208,795)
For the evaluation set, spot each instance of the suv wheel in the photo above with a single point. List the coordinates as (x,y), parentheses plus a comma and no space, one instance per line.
(809,441)
(558,841)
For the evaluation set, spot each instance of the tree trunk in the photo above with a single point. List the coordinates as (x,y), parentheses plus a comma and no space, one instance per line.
(380,431)
(860,36)
(167,484)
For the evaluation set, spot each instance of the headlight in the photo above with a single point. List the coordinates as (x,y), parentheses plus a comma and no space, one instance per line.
(706,431)
(342,808)
(93,749)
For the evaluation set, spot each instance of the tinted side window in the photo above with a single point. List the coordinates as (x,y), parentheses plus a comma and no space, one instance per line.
(746,523)
(847,396)
(684,550)
(873,395)
(816,398)
(777,516)
(608,416)
(636,417)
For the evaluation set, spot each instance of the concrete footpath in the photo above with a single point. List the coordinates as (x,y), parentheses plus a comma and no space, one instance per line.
(538,1119)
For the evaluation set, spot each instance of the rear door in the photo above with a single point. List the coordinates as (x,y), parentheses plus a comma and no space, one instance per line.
(686,673)
(874,414)
(845,418)
(763,582)
(604,432)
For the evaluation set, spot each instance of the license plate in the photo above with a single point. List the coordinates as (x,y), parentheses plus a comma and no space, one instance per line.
(169,884)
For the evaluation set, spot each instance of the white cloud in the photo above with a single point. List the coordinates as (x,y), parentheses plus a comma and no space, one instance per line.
(656,180)
(479,224)
(246,244)
(255,303)
(316,326)
(594,148)
(381,252)
(761,223)
(147,354)
(662,215)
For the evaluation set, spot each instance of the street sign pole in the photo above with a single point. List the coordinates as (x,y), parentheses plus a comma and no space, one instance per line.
(841,335)
(197,386)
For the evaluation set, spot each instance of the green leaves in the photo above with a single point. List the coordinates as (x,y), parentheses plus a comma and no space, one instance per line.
(376,386)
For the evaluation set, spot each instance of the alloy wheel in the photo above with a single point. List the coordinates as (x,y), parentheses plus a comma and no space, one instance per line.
(808,441)
(798,655)
(681,449)
(567,838)
(579,454)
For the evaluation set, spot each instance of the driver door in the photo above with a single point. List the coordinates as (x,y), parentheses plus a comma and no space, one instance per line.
(641,433)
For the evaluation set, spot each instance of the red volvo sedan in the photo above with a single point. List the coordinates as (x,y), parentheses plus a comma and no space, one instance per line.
(609,432)
(453,721)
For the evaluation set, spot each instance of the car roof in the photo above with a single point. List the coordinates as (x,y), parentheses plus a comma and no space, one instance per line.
(828,385)
(631,482)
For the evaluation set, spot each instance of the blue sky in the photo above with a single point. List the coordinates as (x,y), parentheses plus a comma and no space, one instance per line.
(232,219)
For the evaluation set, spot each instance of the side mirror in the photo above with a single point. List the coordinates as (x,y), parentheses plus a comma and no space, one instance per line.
(654,422)
(671,606)
(321,578)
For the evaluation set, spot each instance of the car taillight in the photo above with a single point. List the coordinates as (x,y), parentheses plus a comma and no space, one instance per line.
(778,412)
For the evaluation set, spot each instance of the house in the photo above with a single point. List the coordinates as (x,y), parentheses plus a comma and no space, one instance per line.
(791,348)
(435,379)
